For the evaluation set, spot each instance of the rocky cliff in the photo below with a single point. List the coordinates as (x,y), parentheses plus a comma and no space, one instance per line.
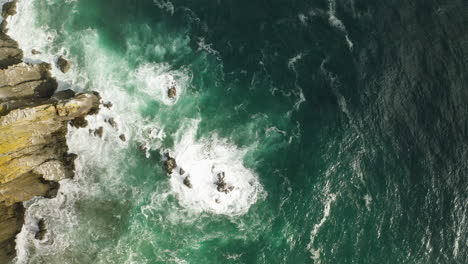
(33,124)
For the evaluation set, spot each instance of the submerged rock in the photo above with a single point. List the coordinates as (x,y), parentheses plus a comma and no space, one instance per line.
(35,52)
(63,64)
(107,105)
(187,182)
(98,132)
(221,184)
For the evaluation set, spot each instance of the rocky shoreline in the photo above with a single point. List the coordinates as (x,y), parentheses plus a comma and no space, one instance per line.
(34,120)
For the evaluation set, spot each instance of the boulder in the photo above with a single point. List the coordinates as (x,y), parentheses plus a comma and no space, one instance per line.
(63,64)
(187,182)
(172,92)
(112,122)
(41,226)
(169,163)
(35,52)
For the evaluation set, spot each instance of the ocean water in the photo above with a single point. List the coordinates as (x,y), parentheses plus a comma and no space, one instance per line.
(341,124)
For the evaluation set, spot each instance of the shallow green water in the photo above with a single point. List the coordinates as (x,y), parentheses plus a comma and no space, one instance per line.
(341,125)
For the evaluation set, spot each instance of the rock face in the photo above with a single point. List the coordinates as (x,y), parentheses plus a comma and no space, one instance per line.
(33,124)
(9,52)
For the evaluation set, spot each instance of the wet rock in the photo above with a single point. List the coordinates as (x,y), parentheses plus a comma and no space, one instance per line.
(98,132)
(221,184)
(63,64)
(172,92)
(170,163)
(217,201)
(64,95)
(143,148)
(79,122)
(112,122)
(107,105)
(42,230)
(187,182)
(122,137)
(181,171)
(35,52)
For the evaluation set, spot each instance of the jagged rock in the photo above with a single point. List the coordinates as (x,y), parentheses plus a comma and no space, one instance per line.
(10,53)
(107,105)
(221,184)
(35,52)
(181,171)
(9,9)
(63,64)
(24,81)
(31,137)
(98,132)
(112,122)
(79,122)
(63,95)
(122,137)
(172,92)
(33,128)
(11,221)
(41,230)
(187,182)
(170,163)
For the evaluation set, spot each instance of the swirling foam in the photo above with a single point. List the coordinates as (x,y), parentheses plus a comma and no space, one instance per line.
(202,159)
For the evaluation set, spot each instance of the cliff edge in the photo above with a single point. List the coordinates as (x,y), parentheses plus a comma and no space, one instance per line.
(33,126)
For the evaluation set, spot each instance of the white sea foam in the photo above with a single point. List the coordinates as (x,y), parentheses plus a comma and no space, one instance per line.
(202,160)
(156,79)
(326,213)
(337,23)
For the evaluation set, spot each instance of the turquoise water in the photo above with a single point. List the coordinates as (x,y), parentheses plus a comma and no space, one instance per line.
(340,125)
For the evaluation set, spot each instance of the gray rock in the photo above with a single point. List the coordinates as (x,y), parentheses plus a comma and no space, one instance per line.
(122,137)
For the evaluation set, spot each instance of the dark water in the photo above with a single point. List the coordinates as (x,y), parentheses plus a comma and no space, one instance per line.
(352,114)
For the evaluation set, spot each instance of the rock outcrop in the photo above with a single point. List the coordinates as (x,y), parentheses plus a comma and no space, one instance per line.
(33,124)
